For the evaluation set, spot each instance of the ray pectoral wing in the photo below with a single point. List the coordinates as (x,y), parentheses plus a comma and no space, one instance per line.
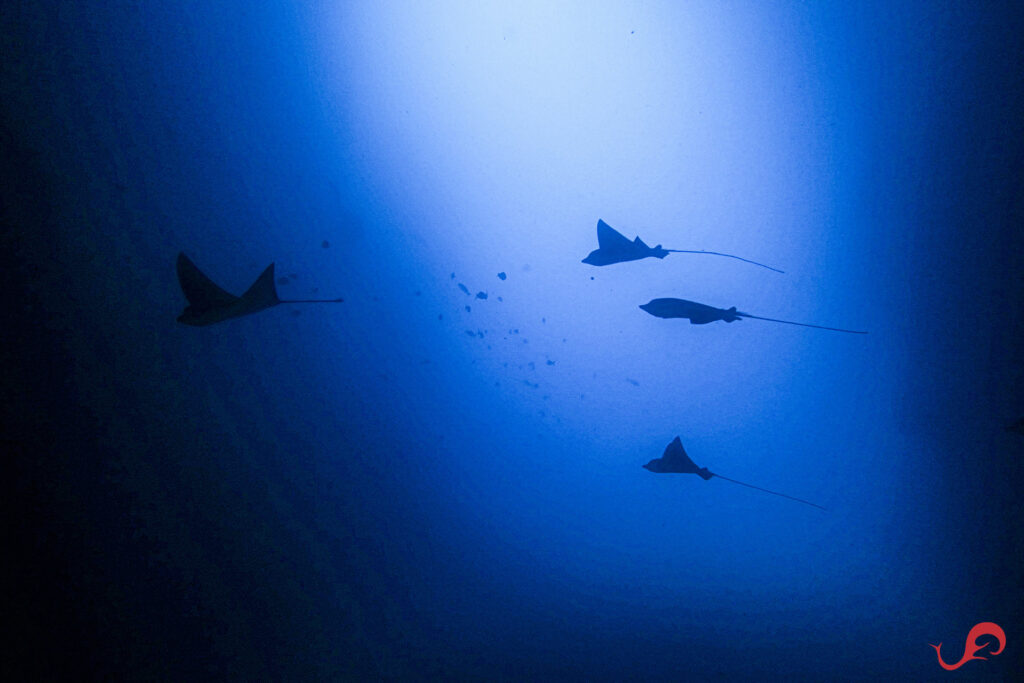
(670,448)
(263,293)
(203,294)
(678,457)
(209,304)
(610,238)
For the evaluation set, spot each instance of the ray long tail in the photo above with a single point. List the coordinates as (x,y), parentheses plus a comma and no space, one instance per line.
(790,322)
(718,253)
(774,493)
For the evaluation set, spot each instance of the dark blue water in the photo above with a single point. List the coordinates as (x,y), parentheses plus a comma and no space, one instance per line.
(422,483)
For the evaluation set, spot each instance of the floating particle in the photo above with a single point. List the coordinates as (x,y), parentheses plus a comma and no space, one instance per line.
(502,276)
(468,309)
(481,295)
(515,331)
(500,299)
(544,321)
(591,277)
(471,333)
(464,288)
(480,334)
(325,244)
(633,382)
(453,276)
(551,362)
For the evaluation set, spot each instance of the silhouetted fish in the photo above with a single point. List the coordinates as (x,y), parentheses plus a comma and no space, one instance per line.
(675,461)
(614,247)
(208,303)
(701,314)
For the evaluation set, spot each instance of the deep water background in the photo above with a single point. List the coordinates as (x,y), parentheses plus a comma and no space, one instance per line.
(402,487)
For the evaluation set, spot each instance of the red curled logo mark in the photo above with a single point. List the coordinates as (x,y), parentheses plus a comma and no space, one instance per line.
(971,647)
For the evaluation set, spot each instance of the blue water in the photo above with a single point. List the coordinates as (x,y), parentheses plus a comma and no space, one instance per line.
(420,483)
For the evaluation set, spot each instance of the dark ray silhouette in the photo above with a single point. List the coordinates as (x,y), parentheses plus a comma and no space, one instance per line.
(209,304)
(614,247)
(675,461)
(701,314)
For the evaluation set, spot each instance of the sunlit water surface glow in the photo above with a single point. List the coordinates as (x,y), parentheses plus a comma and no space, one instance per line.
(494,136)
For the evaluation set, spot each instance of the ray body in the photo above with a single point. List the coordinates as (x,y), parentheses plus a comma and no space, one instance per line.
(702,314)
(676,461)
(614,247)
(208,303)
(698,314)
